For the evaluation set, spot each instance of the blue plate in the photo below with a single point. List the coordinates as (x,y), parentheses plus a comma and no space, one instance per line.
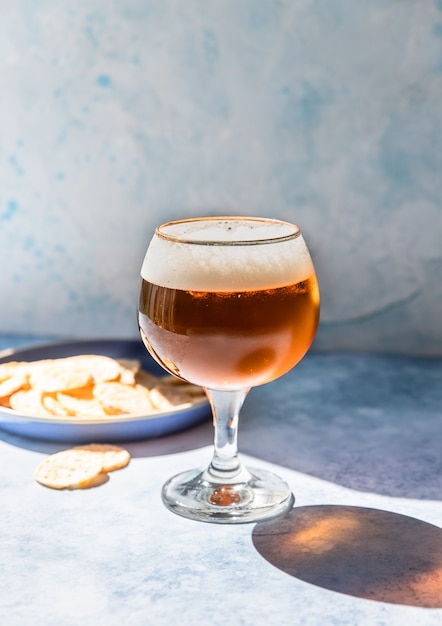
(111,429)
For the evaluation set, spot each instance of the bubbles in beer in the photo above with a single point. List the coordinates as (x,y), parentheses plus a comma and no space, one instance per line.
(235,263)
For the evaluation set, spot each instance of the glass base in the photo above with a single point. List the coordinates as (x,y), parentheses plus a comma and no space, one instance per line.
(251,496)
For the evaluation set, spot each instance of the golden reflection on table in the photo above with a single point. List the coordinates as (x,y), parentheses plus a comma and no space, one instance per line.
(368,553)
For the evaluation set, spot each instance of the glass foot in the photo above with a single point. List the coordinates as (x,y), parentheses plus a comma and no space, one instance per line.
(251,496)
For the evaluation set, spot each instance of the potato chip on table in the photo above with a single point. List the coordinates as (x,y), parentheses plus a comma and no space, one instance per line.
(71,469)
(112,457)
(81,467)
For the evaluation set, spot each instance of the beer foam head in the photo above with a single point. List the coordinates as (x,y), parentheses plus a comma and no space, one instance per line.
(227,254)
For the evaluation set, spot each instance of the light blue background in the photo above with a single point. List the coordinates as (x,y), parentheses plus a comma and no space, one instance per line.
(119,114)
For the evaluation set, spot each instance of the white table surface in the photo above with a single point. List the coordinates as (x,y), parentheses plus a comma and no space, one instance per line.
(362,545)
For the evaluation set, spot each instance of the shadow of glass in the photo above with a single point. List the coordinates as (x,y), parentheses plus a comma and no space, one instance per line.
(367,553)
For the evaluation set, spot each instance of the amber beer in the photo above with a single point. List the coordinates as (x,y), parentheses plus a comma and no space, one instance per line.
(237,333)
(229,339)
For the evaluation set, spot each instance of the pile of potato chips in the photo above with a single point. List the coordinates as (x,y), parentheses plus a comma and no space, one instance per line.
(90,386)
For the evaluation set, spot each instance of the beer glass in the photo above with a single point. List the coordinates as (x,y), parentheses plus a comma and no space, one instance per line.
(227,303)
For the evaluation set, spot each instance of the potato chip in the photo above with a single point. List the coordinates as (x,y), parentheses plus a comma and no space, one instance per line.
(71,469)
(115,396)
(165,399)
(101,368)
(112,457)
(53,406)
(129,369)
(81,407)
(12,384)
(59,375)
(12,368)
(29,402)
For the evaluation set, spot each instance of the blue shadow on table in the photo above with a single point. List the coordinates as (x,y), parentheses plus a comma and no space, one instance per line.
(368,422)
(361,552)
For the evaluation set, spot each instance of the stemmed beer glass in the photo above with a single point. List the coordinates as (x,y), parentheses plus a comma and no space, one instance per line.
(228,303)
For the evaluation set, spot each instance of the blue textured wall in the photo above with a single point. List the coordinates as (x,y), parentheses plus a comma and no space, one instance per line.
(118,114)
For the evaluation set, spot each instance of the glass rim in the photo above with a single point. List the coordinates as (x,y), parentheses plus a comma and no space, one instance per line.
(236,242)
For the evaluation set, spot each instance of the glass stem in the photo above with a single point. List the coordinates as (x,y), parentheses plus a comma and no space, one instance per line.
(226,406)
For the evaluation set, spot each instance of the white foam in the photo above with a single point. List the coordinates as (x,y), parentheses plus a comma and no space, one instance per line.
(226,267)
